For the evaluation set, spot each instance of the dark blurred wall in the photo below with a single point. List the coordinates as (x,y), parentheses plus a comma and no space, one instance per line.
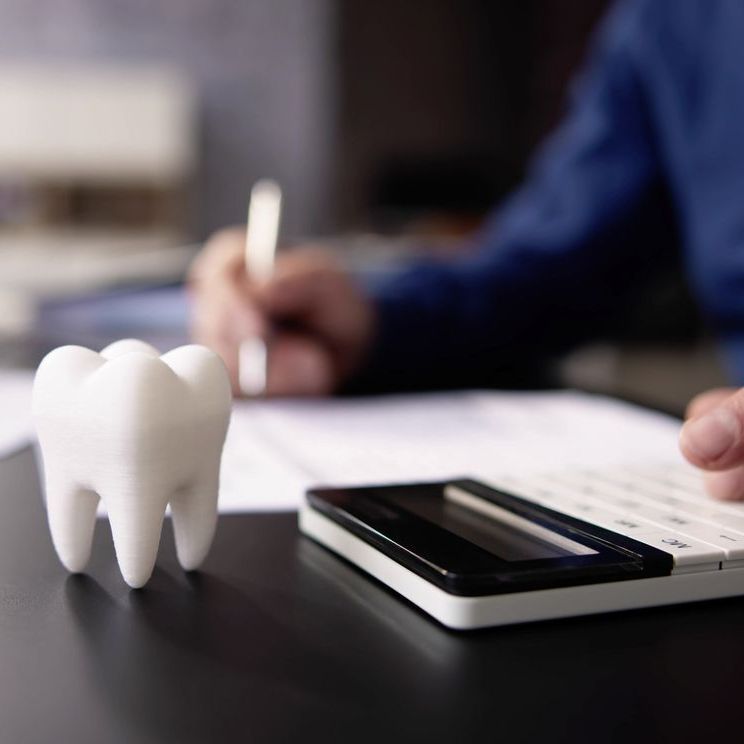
(262,70)
(442,101)
(358,107)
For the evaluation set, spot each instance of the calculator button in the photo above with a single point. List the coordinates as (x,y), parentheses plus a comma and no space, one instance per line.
(721,519)
(689,507)
(730,508)
(687,552)
(732,543)
(628,526)
(622,524)
(667,519)
(606,492)
(584,510)
(524,490)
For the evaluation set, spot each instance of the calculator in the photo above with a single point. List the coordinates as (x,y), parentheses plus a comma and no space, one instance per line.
(539,546)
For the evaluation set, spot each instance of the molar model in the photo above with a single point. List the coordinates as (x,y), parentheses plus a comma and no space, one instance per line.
(139,431)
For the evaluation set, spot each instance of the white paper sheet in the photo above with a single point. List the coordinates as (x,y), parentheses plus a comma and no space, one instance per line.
(275,449)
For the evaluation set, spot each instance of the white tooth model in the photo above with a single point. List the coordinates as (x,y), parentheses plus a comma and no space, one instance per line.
(140,431)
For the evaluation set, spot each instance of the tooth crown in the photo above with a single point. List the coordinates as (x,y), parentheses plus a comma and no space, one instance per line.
(139,431)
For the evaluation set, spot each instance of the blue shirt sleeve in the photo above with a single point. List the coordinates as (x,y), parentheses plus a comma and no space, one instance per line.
(552,263)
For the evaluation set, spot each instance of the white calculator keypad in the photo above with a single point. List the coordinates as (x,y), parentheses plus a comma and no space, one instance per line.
(664,506)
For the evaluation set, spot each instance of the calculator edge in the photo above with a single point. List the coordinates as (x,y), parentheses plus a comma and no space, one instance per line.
(468,613)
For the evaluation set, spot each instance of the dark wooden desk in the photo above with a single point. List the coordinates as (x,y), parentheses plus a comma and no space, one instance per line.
(278,641)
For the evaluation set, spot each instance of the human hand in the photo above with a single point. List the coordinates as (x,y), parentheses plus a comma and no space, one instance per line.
(713,439)
(319,321)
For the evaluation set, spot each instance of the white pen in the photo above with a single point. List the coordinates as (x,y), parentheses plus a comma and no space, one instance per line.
(261,234)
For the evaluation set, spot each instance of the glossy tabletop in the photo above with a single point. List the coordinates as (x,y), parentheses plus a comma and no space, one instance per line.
(276,640)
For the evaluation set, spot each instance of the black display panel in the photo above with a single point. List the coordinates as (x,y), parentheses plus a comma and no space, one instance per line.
(516,546)
(502,540)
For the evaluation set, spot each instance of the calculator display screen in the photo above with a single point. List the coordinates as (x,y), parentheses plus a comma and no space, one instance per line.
(502,540)
(471,539)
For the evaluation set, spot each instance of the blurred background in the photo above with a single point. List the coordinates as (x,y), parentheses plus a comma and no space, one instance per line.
(129,132)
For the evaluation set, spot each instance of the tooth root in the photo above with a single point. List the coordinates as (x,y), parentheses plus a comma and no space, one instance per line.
(136,522)
(72,519)
(194,512)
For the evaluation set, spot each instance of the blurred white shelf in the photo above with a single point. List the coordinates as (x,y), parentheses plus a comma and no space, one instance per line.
(35,266)
(60,263)
(102,124)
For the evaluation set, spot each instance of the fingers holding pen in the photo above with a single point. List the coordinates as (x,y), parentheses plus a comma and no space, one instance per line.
(300,281)
(317,322)
(223,311)
(298,365)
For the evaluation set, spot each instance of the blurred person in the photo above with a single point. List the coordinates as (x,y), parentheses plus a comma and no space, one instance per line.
(648,161)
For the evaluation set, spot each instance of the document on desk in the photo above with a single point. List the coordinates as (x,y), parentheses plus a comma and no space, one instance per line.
(276,449)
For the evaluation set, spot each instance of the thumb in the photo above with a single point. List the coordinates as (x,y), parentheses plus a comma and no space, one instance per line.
(714,440)
(707,401)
